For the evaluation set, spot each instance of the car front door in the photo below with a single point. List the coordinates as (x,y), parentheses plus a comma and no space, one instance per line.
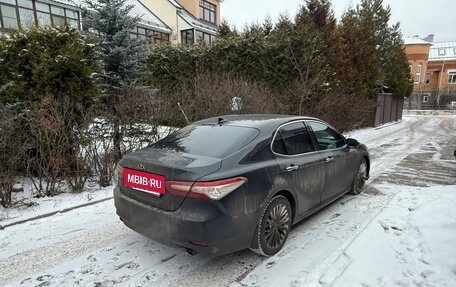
(301,166)
(334,150)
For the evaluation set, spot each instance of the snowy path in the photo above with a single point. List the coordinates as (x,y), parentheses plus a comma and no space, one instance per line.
(91,247)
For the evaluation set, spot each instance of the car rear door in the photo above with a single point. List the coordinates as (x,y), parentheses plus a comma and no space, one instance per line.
(301,166)
(334,150)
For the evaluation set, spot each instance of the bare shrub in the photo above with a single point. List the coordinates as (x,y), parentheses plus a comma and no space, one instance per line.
(12,152)
(213,95)
(54,152)
(99,151)
(344,112)
(124,122)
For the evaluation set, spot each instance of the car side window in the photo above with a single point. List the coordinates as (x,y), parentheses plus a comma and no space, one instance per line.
(292,139)
(327,138)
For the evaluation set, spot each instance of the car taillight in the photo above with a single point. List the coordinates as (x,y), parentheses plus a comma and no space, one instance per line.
(214,190)
(180,188)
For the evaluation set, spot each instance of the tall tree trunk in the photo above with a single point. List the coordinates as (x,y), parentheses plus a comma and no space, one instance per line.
(117,139)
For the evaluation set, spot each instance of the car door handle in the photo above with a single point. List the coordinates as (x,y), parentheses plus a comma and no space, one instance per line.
(329,159)
(292,167)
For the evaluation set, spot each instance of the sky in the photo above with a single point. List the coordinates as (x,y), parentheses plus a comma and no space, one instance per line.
(417,17)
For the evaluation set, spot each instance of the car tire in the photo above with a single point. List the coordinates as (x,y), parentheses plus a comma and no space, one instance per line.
(274,226)
(360,178)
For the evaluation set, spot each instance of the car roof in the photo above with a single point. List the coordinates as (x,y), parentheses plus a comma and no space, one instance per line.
(259,121)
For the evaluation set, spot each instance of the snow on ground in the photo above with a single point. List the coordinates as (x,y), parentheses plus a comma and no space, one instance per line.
(399,232)
(26,206)
(412,242)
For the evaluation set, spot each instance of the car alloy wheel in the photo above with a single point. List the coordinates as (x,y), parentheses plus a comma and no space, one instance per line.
(274,226)
(360,178)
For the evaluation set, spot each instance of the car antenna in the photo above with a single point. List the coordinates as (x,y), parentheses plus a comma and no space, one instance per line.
(221,121)
(182,111)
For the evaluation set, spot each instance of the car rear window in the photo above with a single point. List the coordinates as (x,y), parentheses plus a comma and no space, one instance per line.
(216,141)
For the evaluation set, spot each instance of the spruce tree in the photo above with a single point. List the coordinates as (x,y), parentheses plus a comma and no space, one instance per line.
(123,58)
(268,26)
(224,30)
(394,70)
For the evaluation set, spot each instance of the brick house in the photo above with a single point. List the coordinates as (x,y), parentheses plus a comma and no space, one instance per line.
(433,70)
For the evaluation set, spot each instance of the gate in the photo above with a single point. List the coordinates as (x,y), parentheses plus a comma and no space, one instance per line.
(389,108)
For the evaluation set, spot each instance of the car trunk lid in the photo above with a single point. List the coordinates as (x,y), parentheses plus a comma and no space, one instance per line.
(146,172)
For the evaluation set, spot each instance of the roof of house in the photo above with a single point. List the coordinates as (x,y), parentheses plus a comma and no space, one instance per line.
(442,51)
(415,41)
(196,23)
(147,18)
(175,3)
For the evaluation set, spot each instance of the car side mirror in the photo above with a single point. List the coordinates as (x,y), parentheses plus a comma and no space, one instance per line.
(352,142)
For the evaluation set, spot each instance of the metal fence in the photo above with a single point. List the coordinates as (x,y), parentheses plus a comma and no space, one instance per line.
(389,108)
(431,100)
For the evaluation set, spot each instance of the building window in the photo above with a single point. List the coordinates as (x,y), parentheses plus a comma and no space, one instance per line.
(442,52)
(9,17)
(151,35)
(418,73)
(427,78)
(58,16)
(207,11)
(72,18)
(425,98)
(17,14)
(27,17)
(44,19)
(188,36)
(25,3)
(158,37)
(451,77)
(142,33)
(202,37)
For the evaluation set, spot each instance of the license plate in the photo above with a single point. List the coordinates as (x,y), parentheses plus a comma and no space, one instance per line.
(143,181)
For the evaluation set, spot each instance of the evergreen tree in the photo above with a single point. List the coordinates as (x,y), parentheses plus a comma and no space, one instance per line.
(396,68)
(123,58)
(309,57)
(321,14)
(267,26)
(253,30)
(47,61)
(358,32)
(379,57)
(224,30)
(284,23)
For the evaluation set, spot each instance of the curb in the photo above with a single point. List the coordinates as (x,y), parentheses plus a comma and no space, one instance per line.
(65,210)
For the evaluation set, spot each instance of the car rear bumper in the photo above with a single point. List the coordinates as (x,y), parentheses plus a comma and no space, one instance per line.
(196,222)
